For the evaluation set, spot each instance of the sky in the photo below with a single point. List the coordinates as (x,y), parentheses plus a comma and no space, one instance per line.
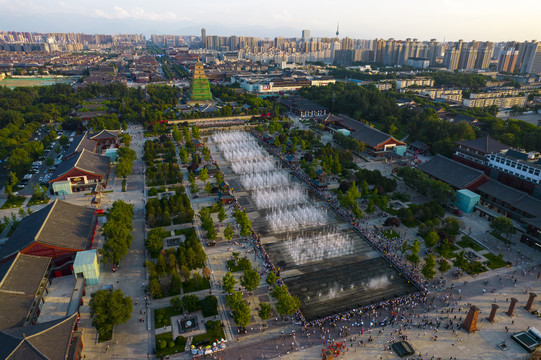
(494,20)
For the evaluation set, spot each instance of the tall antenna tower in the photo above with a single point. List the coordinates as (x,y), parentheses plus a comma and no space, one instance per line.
(338,29)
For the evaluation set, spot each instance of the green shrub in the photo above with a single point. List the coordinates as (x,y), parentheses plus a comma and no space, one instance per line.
(180,341)
(163,344)
(152,191)
(209,305)
(171,344)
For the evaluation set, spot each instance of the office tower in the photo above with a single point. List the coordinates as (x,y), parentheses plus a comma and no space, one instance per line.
(306,35)
(532,59)
(204,37)
(508,61)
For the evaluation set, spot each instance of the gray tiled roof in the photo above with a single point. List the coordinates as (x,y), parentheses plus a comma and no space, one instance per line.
(59,224)
(18,288)
(50,340)
(513,197)
(451,172)
(86,161)
(105,134)
(79,143)
(370,136)
(485,144)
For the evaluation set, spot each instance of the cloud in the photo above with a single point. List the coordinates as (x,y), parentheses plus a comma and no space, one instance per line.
(119,13)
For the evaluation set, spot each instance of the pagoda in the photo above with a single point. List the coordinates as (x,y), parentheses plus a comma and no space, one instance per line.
(200,90)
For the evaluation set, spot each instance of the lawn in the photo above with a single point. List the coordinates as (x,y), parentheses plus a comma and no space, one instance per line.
(468,242)
(494,261)
(13,201)
(390,234)
(36,201)
(214,332)
(164,342)
(162,317)
(196,283)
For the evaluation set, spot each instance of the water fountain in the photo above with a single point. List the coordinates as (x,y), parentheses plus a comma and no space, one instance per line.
(319,246)
(279,196)
(283,219)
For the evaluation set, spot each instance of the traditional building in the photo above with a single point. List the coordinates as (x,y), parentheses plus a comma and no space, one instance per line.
(57,231)
(55,340)
(106,139)
(23,287)
(474,152)
(451,172)
(83,171)
(80,143)
(200,90)
(302,107)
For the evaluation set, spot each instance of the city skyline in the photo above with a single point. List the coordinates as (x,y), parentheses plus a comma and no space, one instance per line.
(449,21)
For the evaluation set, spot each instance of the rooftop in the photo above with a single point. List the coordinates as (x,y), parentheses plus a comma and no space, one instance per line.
(451,172)
(513,197)
(49,340)
(86,161)
(59,224)
(19,284)
(485,144)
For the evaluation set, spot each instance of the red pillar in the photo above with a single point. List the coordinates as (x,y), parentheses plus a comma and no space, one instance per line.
(512,306)
(470,323)
(493,313)
(530,301)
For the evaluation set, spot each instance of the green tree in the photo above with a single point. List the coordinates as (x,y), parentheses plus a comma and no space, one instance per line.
(503,225)
(271,278)
(176,303)
(155,288)
(204,174)
(444,266)
(228,232)
(265,311)
(183,155)
(64,141)
(234,299)
(191,303)
(208,187)
(429,268)
(108,309)
(154,241)
(432,239)
(12,181)
(250,279)
(222,215)
(414,255)
(117,242)
(229,283)
(241,314)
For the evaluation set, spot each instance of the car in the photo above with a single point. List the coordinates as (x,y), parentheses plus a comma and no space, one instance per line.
(40,178)
(115,267)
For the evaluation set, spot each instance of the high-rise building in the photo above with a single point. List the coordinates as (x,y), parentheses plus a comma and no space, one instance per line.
(204,37)
(508,61)
(484,54)
(532,59)
(306,35)
(451,58)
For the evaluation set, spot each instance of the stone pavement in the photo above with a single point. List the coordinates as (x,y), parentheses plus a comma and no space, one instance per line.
(130,340)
